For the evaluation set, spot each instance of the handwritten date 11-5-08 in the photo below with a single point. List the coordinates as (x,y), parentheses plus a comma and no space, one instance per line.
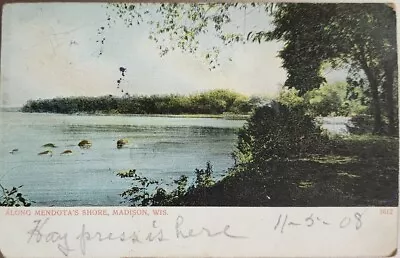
(284,222)
(76,241)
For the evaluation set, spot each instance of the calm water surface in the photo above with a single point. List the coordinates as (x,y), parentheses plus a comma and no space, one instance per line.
(159,147)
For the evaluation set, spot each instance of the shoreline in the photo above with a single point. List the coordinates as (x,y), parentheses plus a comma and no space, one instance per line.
(216,116)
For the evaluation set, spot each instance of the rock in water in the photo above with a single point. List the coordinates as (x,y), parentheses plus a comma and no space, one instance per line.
(49,145)
(85,144)
(66,152)
(13,151)
(47,152)
(121,143)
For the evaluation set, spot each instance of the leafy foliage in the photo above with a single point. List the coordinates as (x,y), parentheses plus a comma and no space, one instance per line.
(290,97)
(182,26)
(13,198)
(147,192)
(139,192)
(204,177)
(328,100)
(277,132)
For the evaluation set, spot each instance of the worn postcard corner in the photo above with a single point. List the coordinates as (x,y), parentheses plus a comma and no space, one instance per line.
(236,129)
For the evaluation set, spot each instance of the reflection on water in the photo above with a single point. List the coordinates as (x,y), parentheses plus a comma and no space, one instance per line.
(158,147)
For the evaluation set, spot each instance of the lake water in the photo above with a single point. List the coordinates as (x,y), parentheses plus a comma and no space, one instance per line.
(159,148)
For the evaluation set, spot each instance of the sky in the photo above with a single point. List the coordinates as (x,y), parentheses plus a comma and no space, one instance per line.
(50,50)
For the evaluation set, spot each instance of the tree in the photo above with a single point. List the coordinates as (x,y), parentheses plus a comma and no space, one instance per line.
(361,37)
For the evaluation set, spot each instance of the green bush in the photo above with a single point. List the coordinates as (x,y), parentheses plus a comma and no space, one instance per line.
(277,132)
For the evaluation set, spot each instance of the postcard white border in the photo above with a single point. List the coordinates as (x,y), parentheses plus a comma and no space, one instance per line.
(376,237)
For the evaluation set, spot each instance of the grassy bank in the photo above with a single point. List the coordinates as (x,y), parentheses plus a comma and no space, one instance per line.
(354,171)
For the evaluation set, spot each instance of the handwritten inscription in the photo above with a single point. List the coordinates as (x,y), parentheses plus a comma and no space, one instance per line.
(311,221)
(53,237)
(73,241)
(191,233)
(40,233)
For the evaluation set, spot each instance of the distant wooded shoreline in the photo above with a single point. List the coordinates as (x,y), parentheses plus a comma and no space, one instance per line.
(212,103)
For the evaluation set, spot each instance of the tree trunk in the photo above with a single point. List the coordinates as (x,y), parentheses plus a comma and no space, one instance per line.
(378,125)
(374,86)
(389,67)
(376,105)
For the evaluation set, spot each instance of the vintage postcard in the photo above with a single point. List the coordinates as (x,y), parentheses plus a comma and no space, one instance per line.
(235,129)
